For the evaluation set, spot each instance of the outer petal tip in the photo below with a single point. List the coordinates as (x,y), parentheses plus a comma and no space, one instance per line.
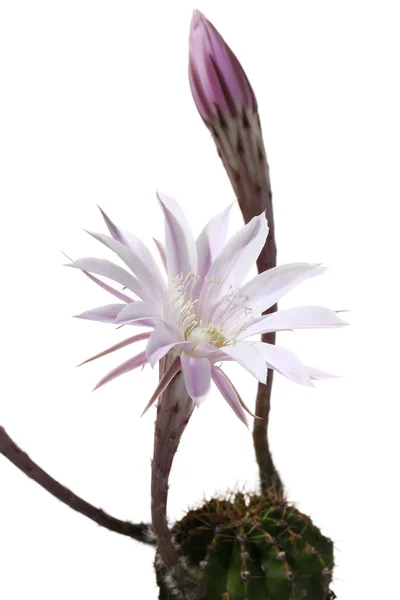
(341,321)
(197,18)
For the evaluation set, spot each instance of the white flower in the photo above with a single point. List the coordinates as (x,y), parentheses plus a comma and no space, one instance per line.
(202,314)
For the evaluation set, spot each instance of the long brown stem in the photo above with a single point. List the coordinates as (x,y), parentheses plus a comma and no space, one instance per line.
(139,532)
(174,410)
(240,146)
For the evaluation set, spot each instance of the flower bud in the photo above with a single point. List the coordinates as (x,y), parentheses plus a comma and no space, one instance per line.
(219,84)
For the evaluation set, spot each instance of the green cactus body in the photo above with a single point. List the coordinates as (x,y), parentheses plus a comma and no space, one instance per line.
(250,547)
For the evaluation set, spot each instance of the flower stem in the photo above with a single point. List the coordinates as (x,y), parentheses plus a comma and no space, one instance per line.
(140,532)
(174,410)
(241,148)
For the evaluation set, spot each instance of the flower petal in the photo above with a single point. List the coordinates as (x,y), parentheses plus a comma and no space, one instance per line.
(318,374)
(197,376)
(302,317)
(162,340)
(105,286)
(106,268)
(234,262)
(248,357)
(137,310)
(267,288)
(142,269)
(164,382)
(126,342)
(180,246)
(228,392)
(285,362)
(137,246)
(209,244)
(129,365)
(162,253)
(166,336)
(104,314)
(108,288)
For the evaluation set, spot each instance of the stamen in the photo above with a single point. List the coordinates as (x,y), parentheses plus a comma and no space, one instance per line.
(199,327)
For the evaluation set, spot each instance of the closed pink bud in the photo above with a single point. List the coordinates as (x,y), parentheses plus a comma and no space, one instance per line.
(218,81)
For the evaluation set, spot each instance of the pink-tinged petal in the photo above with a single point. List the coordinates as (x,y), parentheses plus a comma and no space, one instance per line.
(302,317)
(234,262)
(143,270)
(108,288)
(285,362)
(128,365)
(164,382)
(126,342)
(136,245)
(228,392)
(162,340)
(267,288)
(249,358)
(104,314)
(209,244)
(137,310)
(318,374)
(197,376)
(161,250)
(180,245)
(142,323)
(105,286)
(106,268)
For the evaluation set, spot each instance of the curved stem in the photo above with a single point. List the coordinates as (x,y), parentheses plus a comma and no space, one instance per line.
(173,413)
(240,146)
(174,410)
(140,532)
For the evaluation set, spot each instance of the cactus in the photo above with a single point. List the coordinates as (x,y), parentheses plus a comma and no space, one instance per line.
(250,547)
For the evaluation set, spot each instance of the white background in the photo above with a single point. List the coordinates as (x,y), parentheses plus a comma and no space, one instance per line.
(95,107)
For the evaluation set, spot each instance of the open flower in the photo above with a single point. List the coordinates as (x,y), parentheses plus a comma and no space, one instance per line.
(201,314)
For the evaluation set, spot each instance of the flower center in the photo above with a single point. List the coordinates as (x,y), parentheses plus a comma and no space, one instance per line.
(209,334)
(218,324)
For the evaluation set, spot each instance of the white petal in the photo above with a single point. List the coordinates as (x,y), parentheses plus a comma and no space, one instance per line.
(220,356)
(166,336)
(318,374)
(234,262)
(285,362)
(197,376)
(248,357)
(180,245)
(202,350)
(209,244)
(106,268)
(302,317)
(228,392)
(162,340)
(104,314)
(137,246)
(137,310)
(269,287)
(143,270)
